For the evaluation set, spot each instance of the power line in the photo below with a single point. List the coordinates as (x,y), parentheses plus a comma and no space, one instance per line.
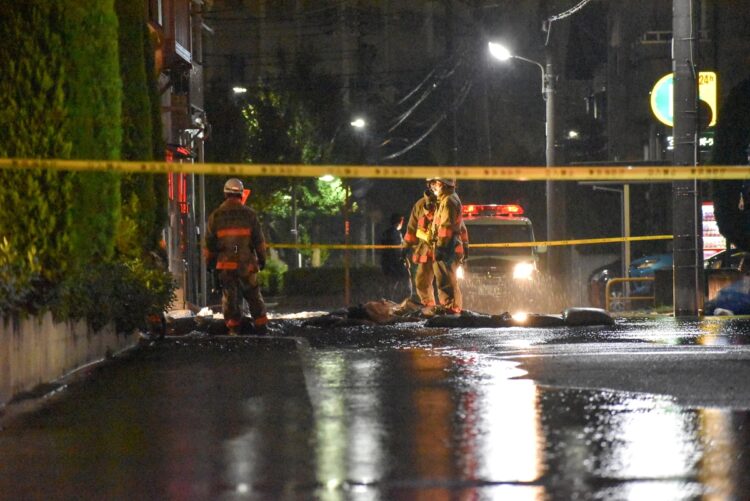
(463,94)
(424,96)
(547,26)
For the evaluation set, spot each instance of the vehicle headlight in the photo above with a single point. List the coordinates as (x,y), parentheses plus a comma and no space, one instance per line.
(523,271)
(520,317)
(460,272)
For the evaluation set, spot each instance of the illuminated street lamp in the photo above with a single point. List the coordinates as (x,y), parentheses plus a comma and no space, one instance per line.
(555,213)
(501,53)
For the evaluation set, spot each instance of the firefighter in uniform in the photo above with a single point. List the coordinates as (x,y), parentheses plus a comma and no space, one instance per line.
(447,228)
(423,240)
(417,240)
(235,243)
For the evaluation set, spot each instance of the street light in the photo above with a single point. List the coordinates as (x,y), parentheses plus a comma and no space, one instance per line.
(501,53)
(555,200)
(358,123)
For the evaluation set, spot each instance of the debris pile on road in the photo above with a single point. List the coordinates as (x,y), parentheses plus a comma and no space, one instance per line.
(385,312)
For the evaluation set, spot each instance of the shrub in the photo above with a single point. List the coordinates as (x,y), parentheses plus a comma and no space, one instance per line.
(93,97)
(33,203)
(141,220)
(18,275)
(122,292)
(271,279)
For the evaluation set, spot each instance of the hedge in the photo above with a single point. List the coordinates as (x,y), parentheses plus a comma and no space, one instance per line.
(142,207)
(60,88)
(94,100)
(33,203)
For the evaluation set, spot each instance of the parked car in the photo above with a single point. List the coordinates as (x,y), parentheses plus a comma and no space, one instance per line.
(645,266)
(728,259)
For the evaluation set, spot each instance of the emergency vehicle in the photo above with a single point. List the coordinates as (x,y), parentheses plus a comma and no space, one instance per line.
(495,272)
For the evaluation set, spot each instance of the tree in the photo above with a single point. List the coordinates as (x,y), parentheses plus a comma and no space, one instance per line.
(34,213)
(93,95)
(286,126)
(143,201)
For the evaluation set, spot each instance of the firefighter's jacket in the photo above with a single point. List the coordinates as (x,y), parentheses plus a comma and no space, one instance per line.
(418,236)
(448,229)
(234,238)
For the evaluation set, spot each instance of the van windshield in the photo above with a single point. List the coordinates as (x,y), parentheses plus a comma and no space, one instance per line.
(492,234)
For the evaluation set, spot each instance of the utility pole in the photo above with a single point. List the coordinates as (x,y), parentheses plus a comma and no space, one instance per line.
(686,200)
(557,264)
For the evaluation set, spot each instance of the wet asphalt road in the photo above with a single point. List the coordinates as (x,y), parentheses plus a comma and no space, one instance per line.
(642,410)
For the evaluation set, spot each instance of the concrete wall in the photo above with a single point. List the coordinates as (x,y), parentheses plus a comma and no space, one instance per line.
(38,350)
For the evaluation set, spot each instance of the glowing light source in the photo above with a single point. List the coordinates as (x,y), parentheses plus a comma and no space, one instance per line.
(460,273)
(492,210)
(239,90)
(327,178)
(358,123)
(520,316)
(523,271)
(499,52)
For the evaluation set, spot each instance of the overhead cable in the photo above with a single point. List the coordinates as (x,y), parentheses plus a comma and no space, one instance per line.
(547,26)
(460,99)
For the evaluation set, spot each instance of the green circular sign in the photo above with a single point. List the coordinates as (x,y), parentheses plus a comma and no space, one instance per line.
(661,99)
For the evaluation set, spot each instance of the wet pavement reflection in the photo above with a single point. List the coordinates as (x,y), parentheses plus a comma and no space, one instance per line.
(397,413)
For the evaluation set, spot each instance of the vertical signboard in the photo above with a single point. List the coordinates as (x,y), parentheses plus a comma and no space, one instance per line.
(713,241)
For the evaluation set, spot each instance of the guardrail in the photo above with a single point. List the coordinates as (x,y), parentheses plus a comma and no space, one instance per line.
(623,298)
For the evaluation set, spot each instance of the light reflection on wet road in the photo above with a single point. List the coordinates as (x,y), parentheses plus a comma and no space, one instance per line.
(403,413)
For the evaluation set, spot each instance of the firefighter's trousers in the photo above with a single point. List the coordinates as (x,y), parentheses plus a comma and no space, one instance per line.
(449,294)
(236,285)
(423,282)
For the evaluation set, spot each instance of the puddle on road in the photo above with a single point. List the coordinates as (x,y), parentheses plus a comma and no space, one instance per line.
(458,424)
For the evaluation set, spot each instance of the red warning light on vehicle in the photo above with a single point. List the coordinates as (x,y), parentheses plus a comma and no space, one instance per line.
(490,210)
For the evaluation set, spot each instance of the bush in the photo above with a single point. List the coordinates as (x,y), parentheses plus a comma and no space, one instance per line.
(123,292)
(141,218)
(271,279)
(18,275)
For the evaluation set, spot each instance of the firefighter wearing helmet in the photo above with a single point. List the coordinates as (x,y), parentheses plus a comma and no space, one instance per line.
(437,236)
(235,243)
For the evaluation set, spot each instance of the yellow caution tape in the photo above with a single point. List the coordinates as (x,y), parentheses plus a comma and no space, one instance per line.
(587,241)
(510,173)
